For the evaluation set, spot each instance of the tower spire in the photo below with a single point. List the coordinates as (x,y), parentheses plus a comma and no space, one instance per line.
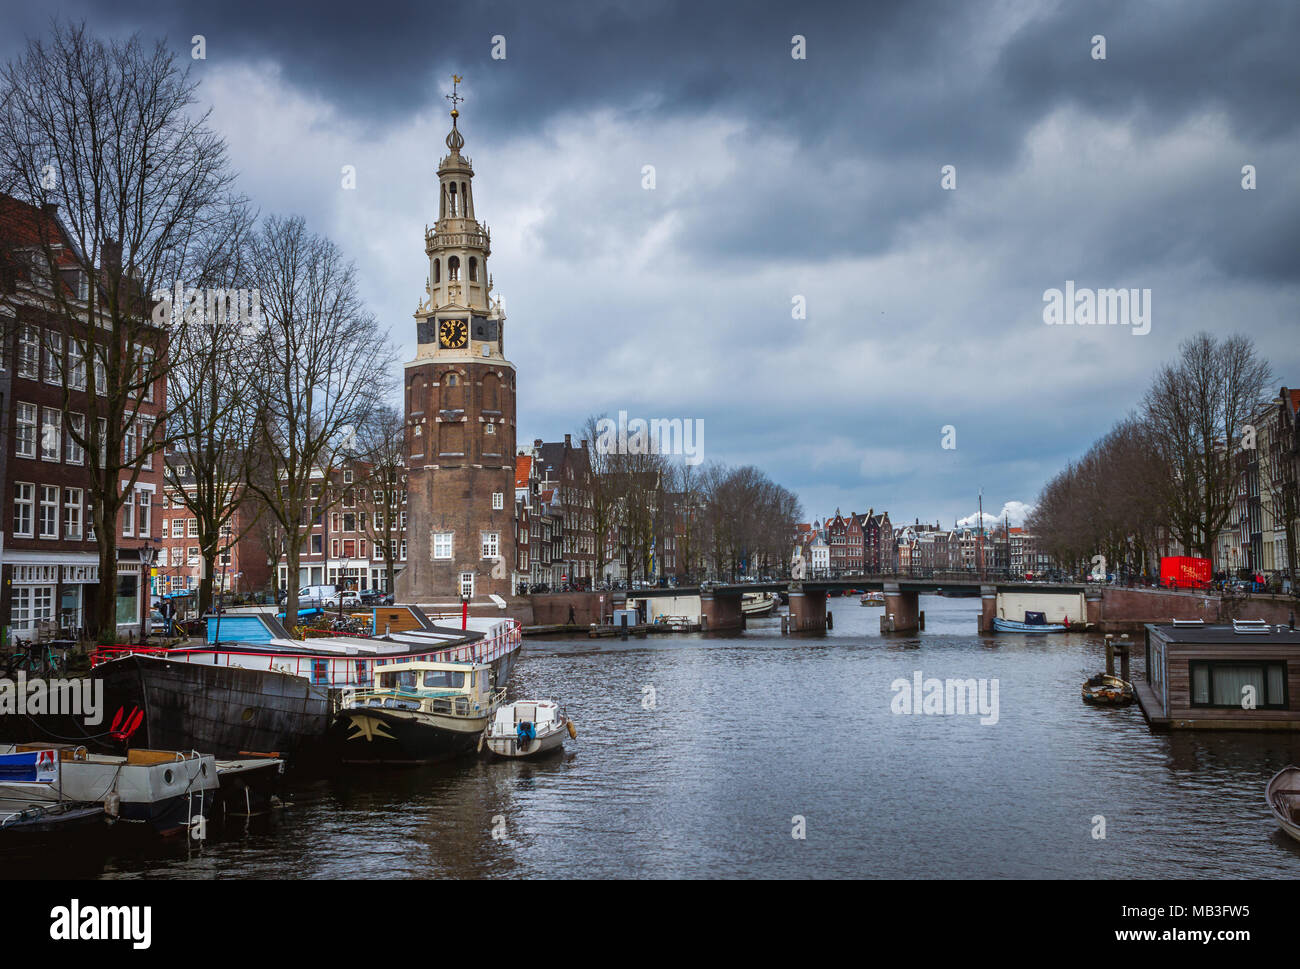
(455,140)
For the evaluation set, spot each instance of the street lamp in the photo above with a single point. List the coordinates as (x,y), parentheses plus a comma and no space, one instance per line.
(147,555)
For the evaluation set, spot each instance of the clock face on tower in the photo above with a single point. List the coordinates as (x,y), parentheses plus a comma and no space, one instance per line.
(453,334)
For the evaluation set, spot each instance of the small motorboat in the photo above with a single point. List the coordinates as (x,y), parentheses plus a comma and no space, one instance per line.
(527,728)
(47,821)
(872,599)
(1035,622)
(419,713)
(1283,797)
(757,603)
(1106,690)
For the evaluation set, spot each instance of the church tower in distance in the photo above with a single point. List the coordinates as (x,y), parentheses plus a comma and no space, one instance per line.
(460,411)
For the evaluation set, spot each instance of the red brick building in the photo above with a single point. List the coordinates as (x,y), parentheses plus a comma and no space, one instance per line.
(50,558)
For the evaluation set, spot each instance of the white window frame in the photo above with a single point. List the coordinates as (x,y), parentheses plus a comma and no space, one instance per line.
(144,512)
(498,500)
(24,499)
(52,357)
(72,499)
(51,434)
(52,532)
(491,542)
(128,513)
(443,543)
(28,417)
(74,453)
(28,363)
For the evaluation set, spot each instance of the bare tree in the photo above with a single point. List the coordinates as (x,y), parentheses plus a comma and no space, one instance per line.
(212,420)
(381,443)
(322,367)
(1197,409)
(603,495)
(105,133)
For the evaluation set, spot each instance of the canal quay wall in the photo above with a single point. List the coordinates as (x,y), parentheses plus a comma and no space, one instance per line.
(1128,610)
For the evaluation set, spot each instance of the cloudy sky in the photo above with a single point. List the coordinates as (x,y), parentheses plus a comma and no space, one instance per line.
(777,178)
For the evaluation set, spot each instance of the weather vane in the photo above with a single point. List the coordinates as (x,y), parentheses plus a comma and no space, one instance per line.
(454,97)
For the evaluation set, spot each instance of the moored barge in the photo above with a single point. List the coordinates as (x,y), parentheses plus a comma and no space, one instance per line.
(277,697)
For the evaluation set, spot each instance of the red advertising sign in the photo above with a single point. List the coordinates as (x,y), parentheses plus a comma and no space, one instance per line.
(1185,571)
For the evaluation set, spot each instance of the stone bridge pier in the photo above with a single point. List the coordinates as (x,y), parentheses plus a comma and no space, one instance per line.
(902,612)
(988,607)
(807,611)
(720,611)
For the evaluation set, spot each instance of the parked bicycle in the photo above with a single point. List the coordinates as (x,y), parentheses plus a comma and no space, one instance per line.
(34,658)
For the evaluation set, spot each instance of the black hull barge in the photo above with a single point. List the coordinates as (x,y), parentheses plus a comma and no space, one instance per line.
(277,698)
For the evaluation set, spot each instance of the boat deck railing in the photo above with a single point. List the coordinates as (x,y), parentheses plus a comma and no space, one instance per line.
(336,671)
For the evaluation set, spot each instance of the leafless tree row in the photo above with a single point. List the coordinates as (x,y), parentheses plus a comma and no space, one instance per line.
(1168,469)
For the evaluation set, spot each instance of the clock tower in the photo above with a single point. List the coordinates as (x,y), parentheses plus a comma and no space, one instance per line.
(460,410)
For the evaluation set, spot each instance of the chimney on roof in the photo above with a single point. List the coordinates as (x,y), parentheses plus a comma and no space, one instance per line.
(568,440)
(111,256)
(537,442)
(51,209)
(584,444)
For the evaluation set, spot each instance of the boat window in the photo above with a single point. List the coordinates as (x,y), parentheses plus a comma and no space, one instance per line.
(1228,684)
(445,679)
(405,678)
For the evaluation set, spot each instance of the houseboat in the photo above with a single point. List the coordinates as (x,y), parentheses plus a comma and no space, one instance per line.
(417,713)
(165,789)
(1239,676)
(252,690)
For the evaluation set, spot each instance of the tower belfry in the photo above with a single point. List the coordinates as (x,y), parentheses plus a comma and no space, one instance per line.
(460,407)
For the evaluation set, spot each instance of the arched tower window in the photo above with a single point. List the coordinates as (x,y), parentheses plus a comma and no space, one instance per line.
(453,267)
(473,270)
(453,392)
(491,392)
(451,200)
(437,270)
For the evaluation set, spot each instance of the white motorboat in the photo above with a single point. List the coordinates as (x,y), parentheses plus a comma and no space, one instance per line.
(527,728)
(754,604)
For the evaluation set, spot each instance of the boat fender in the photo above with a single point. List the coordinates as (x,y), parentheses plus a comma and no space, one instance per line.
(573,731)
(113,805)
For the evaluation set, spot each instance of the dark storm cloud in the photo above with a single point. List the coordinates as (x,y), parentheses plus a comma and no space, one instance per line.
(1169,60)
(802,165)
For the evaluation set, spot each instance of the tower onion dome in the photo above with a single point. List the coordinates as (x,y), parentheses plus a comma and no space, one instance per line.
(455,140)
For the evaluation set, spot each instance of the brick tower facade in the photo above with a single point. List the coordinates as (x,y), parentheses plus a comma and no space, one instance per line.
(460,411)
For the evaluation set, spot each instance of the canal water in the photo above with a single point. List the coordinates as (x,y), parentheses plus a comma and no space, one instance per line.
(704,756)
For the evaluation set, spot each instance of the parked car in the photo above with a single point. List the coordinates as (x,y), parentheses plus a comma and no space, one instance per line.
(345,599)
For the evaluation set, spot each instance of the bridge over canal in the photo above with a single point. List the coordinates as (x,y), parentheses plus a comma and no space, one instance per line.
(720,602)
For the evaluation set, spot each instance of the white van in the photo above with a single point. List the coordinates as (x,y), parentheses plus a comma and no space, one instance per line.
(315,595)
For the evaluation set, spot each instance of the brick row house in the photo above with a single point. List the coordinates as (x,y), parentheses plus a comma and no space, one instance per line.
(565,470)
(242,564)
(345,545)
(50,559)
